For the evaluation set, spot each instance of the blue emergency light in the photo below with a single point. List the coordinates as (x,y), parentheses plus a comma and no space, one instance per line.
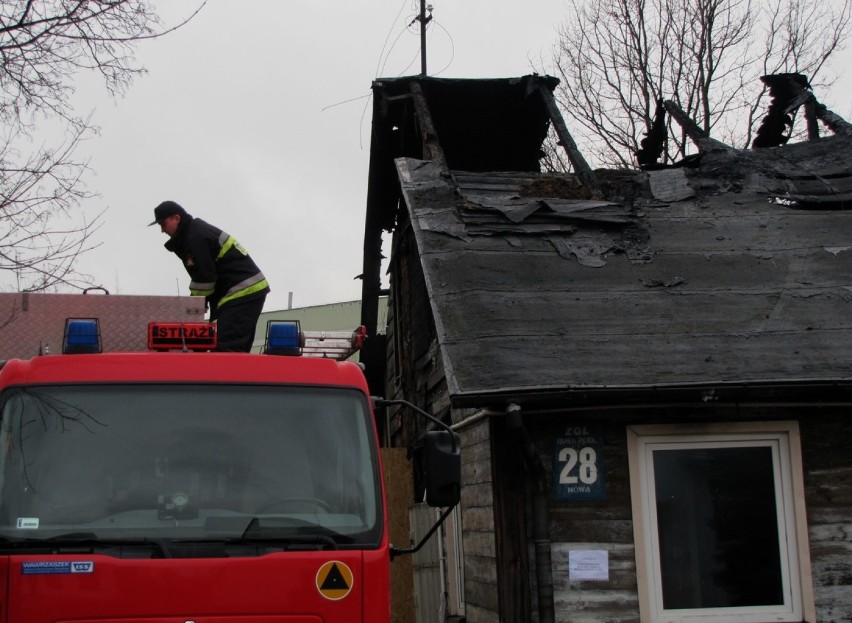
(284,337)
(82,335)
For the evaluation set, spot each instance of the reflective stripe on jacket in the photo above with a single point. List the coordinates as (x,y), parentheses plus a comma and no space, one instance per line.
(220,269)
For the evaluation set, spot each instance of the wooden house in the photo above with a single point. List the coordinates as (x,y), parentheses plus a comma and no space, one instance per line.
(650,371)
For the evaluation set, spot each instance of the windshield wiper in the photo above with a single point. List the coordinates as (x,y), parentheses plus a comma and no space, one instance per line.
(303,540)
(90,541)
(303,530)
(283,543)
(79,543)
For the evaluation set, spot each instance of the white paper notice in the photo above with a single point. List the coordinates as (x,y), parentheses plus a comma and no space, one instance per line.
(588,564)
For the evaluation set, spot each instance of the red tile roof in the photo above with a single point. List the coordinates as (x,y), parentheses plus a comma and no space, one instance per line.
(34,322)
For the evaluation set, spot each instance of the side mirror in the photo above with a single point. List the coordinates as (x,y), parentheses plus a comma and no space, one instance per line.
(442,468)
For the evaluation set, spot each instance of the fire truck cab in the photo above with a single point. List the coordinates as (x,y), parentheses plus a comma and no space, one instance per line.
(184,486)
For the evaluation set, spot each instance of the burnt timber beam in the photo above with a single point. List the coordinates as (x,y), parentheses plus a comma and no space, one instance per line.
(698,136)
(835,122)
(814,109)
(431,146)
(382,201)
(811,119)
(581,167)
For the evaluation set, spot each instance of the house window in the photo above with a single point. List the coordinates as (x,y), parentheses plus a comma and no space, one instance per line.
(719,523)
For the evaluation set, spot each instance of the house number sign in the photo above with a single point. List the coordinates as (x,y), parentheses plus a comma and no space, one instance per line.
(578,472)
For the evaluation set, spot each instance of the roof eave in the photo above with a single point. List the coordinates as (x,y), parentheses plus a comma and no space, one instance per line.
(827,391)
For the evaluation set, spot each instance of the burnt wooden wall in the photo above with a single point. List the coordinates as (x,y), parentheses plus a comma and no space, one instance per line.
(415,372)
(414,368)
(510,522)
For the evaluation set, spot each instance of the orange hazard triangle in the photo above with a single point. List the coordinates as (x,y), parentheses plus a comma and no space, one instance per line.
(334,580)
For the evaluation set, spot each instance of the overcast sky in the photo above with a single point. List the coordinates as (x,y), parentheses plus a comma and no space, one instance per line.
(255,117)
(241,119)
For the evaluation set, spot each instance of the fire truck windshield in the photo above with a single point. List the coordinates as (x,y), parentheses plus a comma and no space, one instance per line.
(189,463)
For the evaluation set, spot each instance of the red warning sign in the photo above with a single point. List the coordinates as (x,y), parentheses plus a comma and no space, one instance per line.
(334,580)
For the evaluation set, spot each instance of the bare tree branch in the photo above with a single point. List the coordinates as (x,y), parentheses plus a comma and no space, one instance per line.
(43,45)
(617,58)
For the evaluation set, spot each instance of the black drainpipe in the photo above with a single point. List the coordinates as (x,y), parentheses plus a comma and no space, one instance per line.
(540,511)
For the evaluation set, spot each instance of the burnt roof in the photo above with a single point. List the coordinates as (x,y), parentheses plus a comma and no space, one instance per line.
(699,280)
(733,269)
(482,124)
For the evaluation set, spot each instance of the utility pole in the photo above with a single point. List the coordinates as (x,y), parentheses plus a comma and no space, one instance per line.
(423,21)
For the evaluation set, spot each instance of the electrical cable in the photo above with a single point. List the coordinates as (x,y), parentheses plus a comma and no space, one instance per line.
(452,49)
(384,45)
(391,49)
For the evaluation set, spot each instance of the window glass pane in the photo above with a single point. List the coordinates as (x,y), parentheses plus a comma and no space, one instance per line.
(718,527)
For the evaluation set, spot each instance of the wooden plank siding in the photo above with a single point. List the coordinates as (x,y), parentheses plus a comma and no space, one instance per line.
(607,524)
(828,493)
(477,504)
(510,519)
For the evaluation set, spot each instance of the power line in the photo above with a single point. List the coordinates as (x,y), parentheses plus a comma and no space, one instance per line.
(452,48)
(387,37)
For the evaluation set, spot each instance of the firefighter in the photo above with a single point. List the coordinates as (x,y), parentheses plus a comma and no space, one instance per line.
(220,270)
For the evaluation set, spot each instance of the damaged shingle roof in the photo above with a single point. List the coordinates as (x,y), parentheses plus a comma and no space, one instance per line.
(720,274)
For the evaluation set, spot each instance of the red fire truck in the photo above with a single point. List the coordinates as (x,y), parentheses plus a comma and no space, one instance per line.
(203,487)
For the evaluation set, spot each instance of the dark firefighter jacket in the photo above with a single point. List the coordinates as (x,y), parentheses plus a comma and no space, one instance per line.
(220,269)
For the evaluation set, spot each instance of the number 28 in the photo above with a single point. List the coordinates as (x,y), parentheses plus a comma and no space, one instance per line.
(584,459)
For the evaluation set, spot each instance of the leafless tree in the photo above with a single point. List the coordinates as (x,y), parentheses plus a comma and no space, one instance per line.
(617,59)
(44,45)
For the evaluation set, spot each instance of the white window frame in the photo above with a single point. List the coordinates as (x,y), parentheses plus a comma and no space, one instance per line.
(783,438)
